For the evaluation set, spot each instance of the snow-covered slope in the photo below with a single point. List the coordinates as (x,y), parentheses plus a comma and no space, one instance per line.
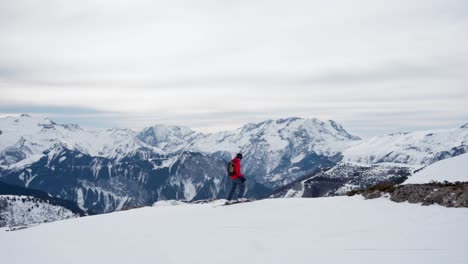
(415,148)
(451,170)
(26,211)
(325,230)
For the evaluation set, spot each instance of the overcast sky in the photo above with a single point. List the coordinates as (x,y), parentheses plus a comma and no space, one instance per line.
(375,66)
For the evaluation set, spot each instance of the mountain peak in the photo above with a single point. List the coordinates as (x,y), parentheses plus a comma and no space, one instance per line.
(46,121)
(181,129)
(287,120)
(167,137)
(341,130)
(464,126)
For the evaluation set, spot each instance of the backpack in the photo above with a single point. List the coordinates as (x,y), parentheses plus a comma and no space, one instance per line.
(230,168)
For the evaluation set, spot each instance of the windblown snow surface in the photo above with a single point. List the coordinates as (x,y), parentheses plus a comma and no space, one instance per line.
(322,230)
(451,170)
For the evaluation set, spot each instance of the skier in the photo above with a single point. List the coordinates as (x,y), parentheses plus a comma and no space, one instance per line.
(237,179)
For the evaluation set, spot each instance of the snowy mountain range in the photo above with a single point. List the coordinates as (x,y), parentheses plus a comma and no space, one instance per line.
(412,148)
(390,158)
(111,169)
(276,151)
(24,139)
(104,170)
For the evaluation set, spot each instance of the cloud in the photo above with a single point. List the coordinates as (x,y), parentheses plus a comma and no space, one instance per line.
(201,64)
(38,109)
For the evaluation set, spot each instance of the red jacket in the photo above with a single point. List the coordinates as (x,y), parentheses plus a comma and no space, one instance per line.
(237,169)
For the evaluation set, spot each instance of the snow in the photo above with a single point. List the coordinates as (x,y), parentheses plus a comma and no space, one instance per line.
(298,158)
(415,148)
(277,135)
(29,180)
(165,203)
(266,144)
(326,230)
(168,138)
(451,170)
(292,193)
(122,202)
(346,188)
(33,135)
(166,163)
(190,190)
(17,210)
(80,199)
(87,188)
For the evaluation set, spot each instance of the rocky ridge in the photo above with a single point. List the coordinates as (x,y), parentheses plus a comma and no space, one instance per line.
(445,194)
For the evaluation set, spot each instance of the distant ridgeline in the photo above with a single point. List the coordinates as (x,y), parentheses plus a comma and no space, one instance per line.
(105,170)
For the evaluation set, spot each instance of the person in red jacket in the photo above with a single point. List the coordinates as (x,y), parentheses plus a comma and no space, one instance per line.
(237,179)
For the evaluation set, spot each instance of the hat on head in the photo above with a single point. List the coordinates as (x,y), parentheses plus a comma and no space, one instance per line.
(239,156)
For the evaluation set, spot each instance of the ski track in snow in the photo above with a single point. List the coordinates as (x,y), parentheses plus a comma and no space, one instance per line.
(323,230)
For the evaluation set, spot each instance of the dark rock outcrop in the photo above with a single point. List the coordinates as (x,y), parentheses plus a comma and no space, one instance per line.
(445,194)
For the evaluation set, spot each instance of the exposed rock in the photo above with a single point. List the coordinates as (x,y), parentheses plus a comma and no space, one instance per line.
(445,194)
(462,200)
(372,195)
